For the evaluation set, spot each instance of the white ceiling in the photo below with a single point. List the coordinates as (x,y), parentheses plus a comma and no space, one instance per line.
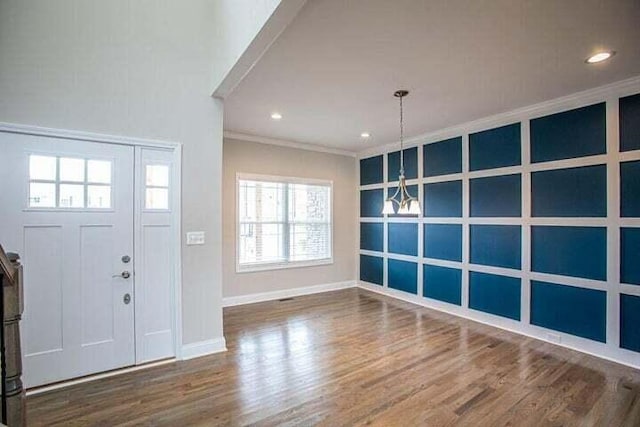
(333,71)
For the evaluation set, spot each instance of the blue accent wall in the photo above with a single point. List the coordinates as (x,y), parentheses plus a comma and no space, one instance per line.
(410,164)
(443,241)
(371,269)
(630,256)
(496,196)
(574,192)
(630,189)
(483,210)
(575,133)
(577,311)
(630,123)
(495,148)
(630,322)
(403,238)
(499,295)
(442,284)
(371,170)
(371,203)
(443,157)
(403,275)
(496,245)
(570,251)
(372,236)
(443,199)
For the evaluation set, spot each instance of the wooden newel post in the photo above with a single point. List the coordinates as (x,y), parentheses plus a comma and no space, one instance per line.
(12,298)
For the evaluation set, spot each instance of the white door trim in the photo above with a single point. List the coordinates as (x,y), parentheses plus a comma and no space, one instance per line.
(176,147)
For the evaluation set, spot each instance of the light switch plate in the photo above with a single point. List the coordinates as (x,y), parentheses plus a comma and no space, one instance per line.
(195,238)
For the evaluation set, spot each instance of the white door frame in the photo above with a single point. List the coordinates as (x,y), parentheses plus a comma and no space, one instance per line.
(176,197)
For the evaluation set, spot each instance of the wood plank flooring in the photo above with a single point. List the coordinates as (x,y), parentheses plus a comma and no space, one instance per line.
(353,357)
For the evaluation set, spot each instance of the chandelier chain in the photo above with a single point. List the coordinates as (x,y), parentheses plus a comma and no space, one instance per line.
(401,138)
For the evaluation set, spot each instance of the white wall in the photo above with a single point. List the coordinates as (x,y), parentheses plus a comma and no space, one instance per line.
(237,22)
(138,69)
(251,157)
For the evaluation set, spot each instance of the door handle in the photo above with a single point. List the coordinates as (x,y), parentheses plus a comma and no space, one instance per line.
(125,275)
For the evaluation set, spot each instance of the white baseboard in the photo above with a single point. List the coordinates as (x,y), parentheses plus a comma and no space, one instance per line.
(203,348)
(286,293)
(63,384)
(583,345)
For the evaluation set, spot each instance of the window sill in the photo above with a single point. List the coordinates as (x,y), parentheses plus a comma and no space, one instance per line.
(251,268)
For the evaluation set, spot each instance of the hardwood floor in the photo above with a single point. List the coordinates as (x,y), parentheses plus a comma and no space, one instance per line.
(352,357)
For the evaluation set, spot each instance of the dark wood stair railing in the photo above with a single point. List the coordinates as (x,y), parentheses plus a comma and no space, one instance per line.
(11,305)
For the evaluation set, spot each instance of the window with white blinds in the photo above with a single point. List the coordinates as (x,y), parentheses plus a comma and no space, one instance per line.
(283,222)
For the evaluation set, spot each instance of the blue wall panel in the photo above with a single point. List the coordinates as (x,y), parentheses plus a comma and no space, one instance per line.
(574,192)
(630,256)
(577,311)
(371,269)
(570,251)
(410,164)
(496,245)
(495,148)
(413,191)
(499,295)
(403,238)
(371,171)
(630,322)
(443,199)
(575,133)
(442,283)
(630,189)
(371,202)
(403,276)
(630,123)
(443,157)
(372,236)
(443,241)
(496,196)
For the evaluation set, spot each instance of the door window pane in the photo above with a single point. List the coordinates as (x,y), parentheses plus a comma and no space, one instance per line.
(42,168)
(99,171)
(42,195)
(99,196)
(71,169)
(68,182)
(156,198)
(71,196)
(157,175)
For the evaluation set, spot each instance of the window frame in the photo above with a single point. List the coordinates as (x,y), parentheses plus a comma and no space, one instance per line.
(57,182)
(169,186)
(278,265)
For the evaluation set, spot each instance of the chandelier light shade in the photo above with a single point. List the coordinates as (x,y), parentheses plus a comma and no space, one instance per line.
(405,203)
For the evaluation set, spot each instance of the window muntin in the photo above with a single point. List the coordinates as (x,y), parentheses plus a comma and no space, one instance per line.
(60,182)
(283,222)
(156,194)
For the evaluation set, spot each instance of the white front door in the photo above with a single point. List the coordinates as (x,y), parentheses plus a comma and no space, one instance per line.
(67,208)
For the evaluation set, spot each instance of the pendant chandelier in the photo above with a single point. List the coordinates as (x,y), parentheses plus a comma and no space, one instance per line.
(407,205)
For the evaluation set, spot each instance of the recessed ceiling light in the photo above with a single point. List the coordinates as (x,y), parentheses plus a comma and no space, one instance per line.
(599,57)
(276,116)
(365,135)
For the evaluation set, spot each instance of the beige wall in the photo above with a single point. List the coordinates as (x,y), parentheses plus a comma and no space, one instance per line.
(250,157)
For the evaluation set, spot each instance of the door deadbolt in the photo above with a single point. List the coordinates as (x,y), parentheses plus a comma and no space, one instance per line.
(127,298)
(126,259)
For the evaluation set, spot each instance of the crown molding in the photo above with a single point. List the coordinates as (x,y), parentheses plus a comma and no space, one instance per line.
(287,143)
(575,100)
